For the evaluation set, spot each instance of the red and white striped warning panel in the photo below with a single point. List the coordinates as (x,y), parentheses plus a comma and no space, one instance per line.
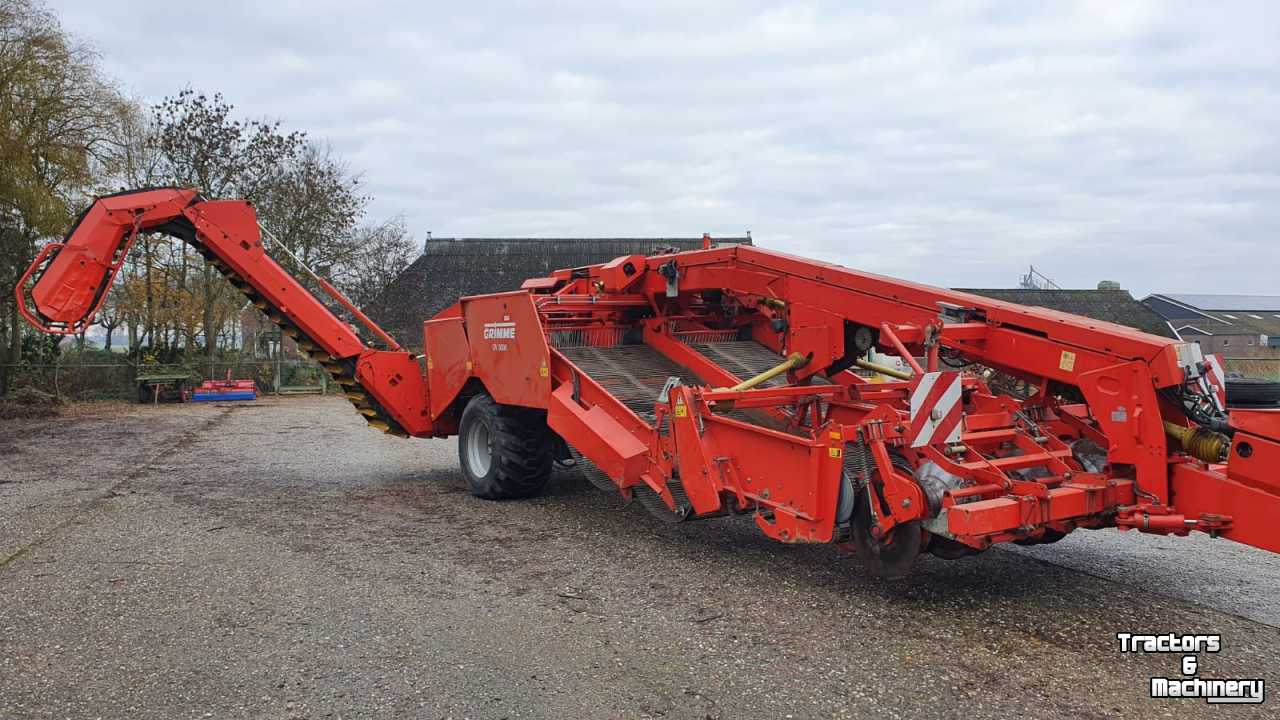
(1216,376)
(935,410)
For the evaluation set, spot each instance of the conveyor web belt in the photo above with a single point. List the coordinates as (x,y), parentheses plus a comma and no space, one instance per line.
(745,358)
(635,374)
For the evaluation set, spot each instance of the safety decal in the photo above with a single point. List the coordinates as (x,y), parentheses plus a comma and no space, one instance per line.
(935,410)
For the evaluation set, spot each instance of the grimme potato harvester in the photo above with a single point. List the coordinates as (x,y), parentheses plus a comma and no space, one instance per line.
(735,380)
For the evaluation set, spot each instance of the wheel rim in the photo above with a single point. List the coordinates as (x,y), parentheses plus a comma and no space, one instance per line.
(479,449)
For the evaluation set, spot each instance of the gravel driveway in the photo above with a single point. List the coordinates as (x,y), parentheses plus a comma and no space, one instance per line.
(278,559)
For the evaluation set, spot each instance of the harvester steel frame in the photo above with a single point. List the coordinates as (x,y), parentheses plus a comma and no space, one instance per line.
(1123,429)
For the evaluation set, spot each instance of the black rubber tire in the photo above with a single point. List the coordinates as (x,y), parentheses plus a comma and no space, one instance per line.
(888,558)
(892,556)
(1252,392)
(947,549)
(1048,537)
(520,455)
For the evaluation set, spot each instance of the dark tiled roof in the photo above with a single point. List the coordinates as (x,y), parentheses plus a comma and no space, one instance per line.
(1116,306)
(1219,314)
(1228,303)
(453,268)
(1233,323)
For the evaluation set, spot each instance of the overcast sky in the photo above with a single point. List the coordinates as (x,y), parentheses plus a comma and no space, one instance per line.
(955,143)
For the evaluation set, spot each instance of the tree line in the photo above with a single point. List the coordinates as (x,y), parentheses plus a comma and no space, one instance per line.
(68,133)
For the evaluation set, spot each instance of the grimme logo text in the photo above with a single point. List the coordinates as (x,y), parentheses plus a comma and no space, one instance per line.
(500,331)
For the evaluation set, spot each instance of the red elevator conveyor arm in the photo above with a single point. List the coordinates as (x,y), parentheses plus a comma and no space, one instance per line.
(66,284)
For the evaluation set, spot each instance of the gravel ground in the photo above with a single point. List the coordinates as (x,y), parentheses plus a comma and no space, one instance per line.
(280,560)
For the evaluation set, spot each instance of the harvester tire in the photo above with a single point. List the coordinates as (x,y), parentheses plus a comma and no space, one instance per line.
(505,451)
(1252,392)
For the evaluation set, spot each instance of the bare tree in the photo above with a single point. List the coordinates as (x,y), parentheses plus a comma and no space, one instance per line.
(202,145)
(381,252)
(313,207)
(112,315)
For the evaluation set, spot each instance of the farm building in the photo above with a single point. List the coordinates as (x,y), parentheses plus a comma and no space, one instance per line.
(1243,326)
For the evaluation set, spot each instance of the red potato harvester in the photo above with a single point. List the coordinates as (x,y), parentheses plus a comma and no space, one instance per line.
(732,380)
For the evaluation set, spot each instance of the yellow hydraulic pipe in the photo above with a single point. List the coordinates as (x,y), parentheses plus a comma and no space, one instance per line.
(795,360)
(883,369)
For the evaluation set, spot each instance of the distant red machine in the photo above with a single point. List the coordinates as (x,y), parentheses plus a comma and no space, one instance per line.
(735,380)
(228,389)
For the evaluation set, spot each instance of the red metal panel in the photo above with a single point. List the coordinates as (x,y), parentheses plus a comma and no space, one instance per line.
(796,479)
(699,474)
(597,435)
(777,470)
(448,361)
(1255,461)
(395,378)
(619,274)
(592,394)
(509,351)
(1265,423)
(1124,404)
(539,284)
(1198,490)
(816,334)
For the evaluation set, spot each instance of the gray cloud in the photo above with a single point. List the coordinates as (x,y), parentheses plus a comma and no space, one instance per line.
(953,143)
